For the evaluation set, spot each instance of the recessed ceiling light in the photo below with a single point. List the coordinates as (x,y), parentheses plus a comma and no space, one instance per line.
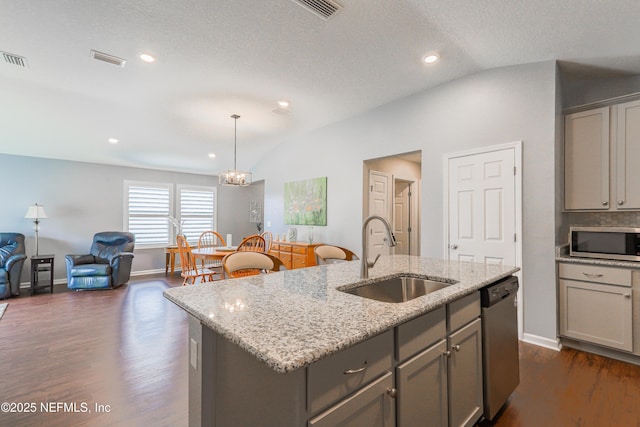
(212,155)
(430,59)
(113,140)
(283,104)
(146,57)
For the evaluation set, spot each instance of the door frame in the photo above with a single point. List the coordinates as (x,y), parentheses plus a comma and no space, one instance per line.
(516,146)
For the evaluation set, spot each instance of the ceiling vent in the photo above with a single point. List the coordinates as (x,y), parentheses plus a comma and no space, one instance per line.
(325,9)
(109,59)
(282,111)
(10,58)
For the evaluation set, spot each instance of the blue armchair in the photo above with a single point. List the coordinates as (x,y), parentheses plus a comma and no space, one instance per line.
(11,261)
(108,265)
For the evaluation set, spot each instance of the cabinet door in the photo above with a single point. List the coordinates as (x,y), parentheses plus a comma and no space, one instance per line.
(596,313)
(465,376)
(422,389)
(299,261)
(586,151)
(628,156)
(371,406)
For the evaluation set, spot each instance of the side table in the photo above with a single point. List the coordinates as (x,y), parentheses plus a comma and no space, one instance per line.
(170,258)
(40,263)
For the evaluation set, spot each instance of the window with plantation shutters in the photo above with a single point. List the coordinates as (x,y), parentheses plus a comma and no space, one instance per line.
(147,210)
(196,210)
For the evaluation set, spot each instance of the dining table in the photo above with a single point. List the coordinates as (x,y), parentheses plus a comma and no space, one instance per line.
(213,252)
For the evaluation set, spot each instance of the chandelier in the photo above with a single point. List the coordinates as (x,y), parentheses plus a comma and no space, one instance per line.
(235,177)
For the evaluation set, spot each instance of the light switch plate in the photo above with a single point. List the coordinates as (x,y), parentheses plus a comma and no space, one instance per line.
(193,354)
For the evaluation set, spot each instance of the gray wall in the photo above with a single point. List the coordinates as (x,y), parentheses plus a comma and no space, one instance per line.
(492,107)
(84,198)
(233,210)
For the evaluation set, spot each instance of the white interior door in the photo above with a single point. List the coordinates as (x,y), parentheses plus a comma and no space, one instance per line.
(482,219)
(379,204)
(402,217)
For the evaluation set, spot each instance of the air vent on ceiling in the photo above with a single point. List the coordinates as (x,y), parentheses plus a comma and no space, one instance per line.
(109,59)
(325,9)
(10,58)
(282,111)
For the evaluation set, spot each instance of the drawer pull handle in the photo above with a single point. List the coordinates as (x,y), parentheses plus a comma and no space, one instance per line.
(456,347)
(447,353)
(356,371)
(627,295)
(592,274)
(392,392)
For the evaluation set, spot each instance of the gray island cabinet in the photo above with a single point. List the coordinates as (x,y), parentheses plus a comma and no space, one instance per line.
(291,349)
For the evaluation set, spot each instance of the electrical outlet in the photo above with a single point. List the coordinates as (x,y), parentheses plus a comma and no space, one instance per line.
(268,223)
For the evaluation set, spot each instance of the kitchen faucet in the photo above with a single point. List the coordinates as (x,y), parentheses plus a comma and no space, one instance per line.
(391,240)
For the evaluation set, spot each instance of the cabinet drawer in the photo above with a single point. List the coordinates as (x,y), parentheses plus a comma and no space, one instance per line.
(418,334)
(463,311)
(285,248)
(595,273)
(299,261)
(275,246)
(298,250)
(340,374)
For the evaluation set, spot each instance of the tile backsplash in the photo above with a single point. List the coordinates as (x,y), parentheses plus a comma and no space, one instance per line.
(605,219)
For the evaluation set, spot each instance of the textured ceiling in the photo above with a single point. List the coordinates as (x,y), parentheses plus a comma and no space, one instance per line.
(217,58)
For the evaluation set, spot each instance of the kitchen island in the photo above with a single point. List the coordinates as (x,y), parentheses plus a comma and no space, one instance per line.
(254,342)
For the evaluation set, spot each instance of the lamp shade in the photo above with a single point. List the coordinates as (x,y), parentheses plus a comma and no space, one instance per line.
(36,212)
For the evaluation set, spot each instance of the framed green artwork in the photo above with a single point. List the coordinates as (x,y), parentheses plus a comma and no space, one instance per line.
(305,202)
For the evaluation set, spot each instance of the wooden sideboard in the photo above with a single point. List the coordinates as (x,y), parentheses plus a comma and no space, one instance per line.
(294,254)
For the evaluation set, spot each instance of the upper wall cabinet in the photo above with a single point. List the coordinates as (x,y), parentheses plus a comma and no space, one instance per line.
(602,158)
(586,153)
(628,156)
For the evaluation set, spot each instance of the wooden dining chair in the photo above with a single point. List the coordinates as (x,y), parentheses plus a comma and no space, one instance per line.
(249,263)
(190,270)
(268,239)
(253,243)
(328,254)
(212,239)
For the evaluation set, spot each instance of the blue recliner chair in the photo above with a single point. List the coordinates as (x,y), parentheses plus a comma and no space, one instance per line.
(108,265)
(11,261)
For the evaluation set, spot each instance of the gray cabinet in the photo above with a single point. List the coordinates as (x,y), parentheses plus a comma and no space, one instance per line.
(586,151)
(596,305)
(422,389)
(465,375)
(371,406)
(628,156)
(442,385)
(602,152)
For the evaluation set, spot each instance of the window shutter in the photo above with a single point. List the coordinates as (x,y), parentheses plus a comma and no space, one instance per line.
(197,210)
(149,207)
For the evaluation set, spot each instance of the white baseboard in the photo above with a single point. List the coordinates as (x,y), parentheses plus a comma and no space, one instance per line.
(63,281)
(542,341)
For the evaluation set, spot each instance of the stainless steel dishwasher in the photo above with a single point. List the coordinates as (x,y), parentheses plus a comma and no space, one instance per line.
(501,373)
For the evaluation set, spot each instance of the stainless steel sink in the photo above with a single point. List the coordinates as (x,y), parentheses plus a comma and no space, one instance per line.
(399,289)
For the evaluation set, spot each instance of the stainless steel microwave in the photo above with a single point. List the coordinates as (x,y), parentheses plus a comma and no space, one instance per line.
(605,242)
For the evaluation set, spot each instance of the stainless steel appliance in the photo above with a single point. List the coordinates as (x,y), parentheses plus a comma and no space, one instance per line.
(499,343)
(605,242)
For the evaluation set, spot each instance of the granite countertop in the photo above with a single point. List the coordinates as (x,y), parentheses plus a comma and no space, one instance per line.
(291,319)
(562,255)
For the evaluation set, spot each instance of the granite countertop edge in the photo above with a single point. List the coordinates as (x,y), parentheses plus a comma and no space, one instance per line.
(391,314)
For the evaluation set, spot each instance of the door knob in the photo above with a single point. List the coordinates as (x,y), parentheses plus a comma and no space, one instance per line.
(453,246)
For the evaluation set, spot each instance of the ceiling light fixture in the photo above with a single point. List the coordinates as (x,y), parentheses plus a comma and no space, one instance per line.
(235,177)
(431,59)
(113,140)
(212,155)
(283,104)
(146,57)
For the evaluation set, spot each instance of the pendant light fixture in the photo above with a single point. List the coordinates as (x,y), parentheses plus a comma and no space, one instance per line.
(235,177)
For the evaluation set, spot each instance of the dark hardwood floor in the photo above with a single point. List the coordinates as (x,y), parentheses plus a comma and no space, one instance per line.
(126,348)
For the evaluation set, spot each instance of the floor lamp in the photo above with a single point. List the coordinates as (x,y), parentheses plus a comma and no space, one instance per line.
(36,213)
